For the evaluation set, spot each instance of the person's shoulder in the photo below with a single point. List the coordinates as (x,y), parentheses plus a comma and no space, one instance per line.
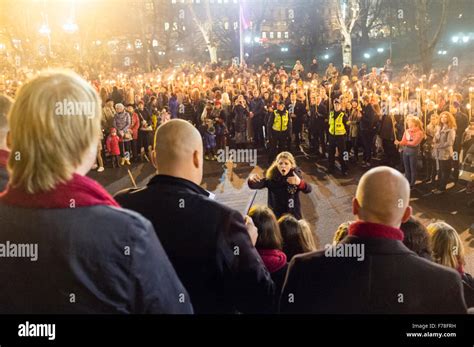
(427,267)
(122,218)
(310,259)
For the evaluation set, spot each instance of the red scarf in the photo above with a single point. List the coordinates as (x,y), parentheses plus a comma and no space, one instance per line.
(4,158)
(273,259)
(366,229)
(80,191)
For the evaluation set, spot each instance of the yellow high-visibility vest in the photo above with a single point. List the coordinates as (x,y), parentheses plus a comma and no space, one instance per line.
(336,126)
(280,122)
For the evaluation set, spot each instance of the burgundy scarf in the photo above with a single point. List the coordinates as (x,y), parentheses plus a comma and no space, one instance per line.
(273,259)
(3,158)
(80,191)
(366,229)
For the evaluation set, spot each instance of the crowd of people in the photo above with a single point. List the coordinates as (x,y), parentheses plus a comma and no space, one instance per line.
(170,248)
(355,114)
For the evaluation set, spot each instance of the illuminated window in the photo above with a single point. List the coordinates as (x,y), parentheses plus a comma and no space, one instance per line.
(264,35)
(286,35)
(271,34)
(278,35)
(226,25)
(167,26)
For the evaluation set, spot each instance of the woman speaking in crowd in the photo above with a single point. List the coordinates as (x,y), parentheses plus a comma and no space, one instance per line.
(284,181)
(85,253)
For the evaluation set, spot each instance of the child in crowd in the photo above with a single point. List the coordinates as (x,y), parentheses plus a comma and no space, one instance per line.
(297,236)
(209,137)
(113,147)
(284,182)
(269,244)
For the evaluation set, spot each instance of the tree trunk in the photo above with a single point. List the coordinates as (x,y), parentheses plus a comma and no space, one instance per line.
(427,46)
(347,49)
(212,53)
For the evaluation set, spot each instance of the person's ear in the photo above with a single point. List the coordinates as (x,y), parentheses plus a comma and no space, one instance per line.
(196,159)
(9,140)
(153,159)
(355,207)
(407,214)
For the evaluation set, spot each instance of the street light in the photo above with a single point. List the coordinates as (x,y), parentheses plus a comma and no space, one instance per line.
(248,39)
(70,27)
(455,39)
(284,49)
(326,56)
(44,29)
(366,55)
(380,50)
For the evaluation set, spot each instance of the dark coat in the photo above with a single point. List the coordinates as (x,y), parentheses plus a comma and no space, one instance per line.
(3,178)
(3,169)
(207,244)
(390,279)
(282,195)
(468,285)
(97,259)
(367,122)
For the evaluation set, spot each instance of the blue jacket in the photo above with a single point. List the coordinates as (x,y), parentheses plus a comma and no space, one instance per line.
(173,105)
(97,259)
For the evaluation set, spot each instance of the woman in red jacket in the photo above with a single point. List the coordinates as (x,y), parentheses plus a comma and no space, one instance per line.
(411,147)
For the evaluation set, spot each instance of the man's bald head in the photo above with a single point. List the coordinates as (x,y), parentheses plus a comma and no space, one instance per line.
(178,150)
(382,196)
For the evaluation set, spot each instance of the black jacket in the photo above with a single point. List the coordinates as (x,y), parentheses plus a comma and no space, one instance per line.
(389,279)
(282,196)
(3,178)
(207,244)
(468,285)
(367,122)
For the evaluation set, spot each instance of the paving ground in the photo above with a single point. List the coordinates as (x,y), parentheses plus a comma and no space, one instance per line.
(328,205)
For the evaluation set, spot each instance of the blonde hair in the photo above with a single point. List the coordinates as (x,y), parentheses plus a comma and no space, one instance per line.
(416,121)
(297,236)
(341,232)
(54,121)
(283,155)
(446,244)
(307,236)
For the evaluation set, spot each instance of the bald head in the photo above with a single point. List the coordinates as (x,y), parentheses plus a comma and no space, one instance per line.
(178,150)
(382,196)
